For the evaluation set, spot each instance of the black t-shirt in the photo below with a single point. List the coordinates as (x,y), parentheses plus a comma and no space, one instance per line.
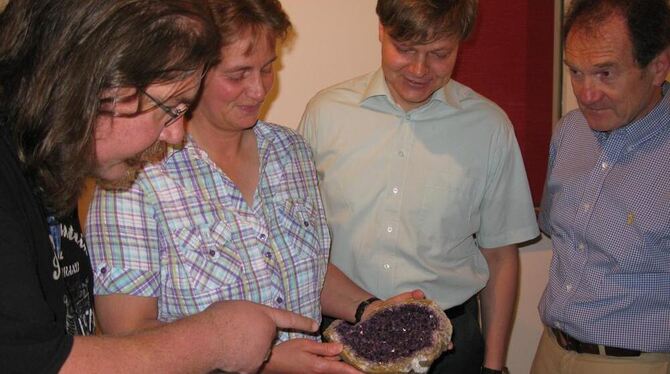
(71,263)
(45,280)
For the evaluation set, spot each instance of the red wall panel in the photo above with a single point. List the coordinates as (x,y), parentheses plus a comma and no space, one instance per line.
(509,59)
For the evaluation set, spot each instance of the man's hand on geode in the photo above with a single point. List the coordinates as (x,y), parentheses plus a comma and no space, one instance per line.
(399,298)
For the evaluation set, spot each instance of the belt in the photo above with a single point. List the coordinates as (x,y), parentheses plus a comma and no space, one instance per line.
(459,310)
(569,343)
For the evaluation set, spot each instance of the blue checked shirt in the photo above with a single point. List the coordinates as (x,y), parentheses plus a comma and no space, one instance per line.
(607,209)
(184,234)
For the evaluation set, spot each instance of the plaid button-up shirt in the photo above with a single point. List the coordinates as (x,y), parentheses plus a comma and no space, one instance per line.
(184,234)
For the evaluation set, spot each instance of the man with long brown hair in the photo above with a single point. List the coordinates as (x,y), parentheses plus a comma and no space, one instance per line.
(87,85)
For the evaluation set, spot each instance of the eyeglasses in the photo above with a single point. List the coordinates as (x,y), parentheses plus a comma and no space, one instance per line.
(131,105)
(108,106)
(174,112)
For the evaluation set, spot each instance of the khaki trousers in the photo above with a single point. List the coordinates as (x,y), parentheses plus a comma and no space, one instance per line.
(550,358)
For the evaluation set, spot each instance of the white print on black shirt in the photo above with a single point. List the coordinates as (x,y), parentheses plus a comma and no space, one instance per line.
(67,241)
(68,232)
(54,237)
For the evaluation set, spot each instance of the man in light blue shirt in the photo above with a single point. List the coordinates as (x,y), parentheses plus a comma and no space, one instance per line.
(607,199)
(423,182)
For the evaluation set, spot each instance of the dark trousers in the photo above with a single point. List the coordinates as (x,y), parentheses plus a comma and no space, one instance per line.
(467,355)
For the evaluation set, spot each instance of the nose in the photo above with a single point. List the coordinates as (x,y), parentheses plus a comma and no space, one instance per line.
(587,91)
(174,133)
(257,88)
(418,66)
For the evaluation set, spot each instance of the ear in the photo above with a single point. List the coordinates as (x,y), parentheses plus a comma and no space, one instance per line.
(117,92)
(381,32)
(107,98)
(116,99)
(660,67)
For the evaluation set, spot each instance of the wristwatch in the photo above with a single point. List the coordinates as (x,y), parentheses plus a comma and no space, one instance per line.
(486,370)
(361,308)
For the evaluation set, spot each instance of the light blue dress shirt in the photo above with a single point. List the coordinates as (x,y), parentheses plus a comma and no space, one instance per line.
(411,197)
(607,208)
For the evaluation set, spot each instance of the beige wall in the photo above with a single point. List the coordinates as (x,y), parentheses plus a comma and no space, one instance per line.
(333,41)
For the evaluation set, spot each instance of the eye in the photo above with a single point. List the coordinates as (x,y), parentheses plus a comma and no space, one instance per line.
(403,49)
(237,76)
(574,72)
(440,54)
(267,69)
(605,74)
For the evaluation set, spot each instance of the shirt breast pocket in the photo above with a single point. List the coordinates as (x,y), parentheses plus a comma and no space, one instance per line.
(446,207)
(298,221)
(207,257)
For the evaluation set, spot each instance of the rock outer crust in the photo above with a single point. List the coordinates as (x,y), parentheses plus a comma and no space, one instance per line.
(418,362)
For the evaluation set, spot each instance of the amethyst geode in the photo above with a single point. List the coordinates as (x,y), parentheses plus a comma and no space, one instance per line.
(395,338)
(393,333)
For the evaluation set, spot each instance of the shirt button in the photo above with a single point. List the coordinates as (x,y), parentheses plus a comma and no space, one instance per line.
(581,247)
(605,165)
(389,229)
(262,236)
(396,190)
(268,255)
(401,153)
(587,206)
(568,287)
(280,300)
(387,266)
(557,324)
(306,223)
(212,252)
(103,270)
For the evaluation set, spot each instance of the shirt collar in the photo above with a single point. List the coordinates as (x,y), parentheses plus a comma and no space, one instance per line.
(646,127)
(190,145)
(378,97)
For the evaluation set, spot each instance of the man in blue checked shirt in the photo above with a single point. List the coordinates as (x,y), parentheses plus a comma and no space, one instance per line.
(607,198)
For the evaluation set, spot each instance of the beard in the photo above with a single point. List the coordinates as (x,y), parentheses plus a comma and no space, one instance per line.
(153,154)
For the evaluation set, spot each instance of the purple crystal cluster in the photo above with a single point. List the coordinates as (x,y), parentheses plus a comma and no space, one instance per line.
(391,334)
